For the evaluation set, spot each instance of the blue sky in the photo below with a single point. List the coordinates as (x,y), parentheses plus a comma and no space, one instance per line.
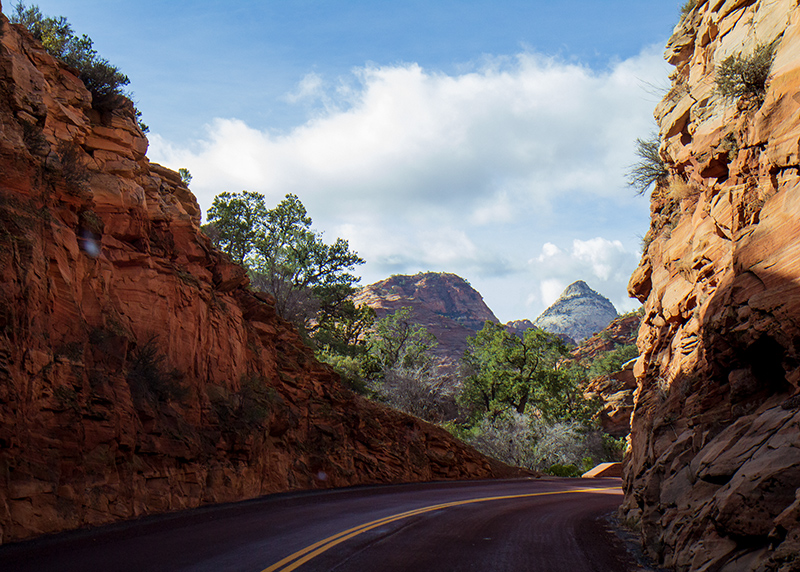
(489,139)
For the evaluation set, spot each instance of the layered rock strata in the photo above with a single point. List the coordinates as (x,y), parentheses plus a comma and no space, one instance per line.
(138,372)
(713,474)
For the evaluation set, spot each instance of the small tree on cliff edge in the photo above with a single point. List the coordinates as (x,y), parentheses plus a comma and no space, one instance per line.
(309,279)
(104,81)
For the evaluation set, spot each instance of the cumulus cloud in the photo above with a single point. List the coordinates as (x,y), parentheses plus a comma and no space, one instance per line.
(424,170)
(604,264)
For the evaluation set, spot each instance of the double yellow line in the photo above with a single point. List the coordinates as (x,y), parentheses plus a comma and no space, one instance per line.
(294,561)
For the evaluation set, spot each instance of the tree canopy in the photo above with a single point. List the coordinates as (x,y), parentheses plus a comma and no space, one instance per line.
(506,372)
(397,342)
(103,80)
(309,279)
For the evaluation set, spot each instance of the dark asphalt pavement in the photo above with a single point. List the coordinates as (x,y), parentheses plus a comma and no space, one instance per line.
(548,525)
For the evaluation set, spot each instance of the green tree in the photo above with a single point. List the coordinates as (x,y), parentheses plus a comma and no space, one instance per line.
(236,224)
(186,176)
(309,279)
(397,342)
(342,328)
(506,372)
(293,263)
(611,361)
(103,80)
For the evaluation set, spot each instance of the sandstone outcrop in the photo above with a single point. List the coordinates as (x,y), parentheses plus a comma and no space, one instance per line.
(713,472)
(578,313)
(615,390)
(138,372)
(444,303)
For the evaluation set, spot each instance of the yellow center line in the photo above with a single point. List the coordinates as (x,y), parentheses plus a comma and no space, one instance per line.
(300,557)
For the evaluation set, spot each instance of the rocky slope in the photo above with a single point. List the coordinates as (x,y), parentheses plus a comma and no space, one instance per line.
(444,303)
(578,313)
(615,390)
(138,373)
(713,474)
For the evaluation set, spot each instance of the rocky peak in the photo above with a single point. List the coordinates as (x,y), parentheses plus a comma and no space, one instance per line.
(577,289)
(578,313)
(444,303)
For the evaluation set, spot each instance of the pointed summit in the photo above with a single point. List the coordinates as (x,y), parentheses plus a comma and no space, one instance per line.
(579,288)
(578,313)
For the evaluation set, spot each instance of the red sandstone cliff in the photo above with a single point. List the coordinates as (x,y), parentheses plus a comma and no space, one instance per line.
(138,373)
(714,469)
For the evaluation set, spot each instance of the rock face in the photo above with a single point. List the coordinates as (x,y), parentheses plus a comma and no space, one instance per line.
(444,303)
(519,327)
(622,331)
(138,373)
(714,466)
(616,390)
(578,313)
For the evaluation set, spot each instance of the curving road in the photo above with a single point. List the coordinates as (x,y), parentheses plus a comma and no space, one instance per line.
(539,525)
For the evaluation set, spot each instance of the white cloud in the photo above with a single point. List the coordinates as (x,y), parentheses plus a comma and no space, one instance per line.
(603,264)
(551,289)
(426,171)
(310,88)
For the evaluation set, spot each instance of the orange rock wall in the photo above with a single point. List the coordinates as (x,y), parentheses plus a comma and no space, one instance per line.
(101,261)
(713,472)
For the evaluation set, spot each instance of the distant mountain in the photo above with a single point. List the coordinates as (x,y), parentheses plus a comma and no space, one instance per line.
(444,303)
(519,327)
(578,313)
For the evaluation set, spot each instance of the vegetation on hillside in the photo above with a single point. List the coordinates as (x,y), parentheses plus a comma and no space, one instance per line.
(309,279)
(104,81)
(519,399)
(741,76)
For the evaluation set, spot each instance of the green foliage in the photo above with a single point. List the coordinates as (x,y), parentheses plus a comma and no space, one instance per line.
(611,362)
(247,410)
(342,327)
(508,372)
(397,342)
(104,81)
(746,76)
(650,169)
(294,264)
(149,376)
(348,367)
(559,470)
(310,280)
(237,221)
(186,176)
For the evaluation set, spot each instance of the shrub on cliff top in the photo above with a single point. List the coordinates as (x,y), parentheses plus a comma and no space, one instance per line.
(650,169)
(746,76)
(687,7)
(104,81)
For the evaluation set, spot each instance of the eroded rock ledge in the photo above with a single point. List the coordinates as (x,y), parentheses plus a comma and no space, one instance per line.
(714,468)
(138,373)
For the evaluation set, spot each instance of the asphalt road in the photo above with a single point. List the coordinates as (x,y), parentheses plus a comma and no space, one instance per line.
(540,525)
